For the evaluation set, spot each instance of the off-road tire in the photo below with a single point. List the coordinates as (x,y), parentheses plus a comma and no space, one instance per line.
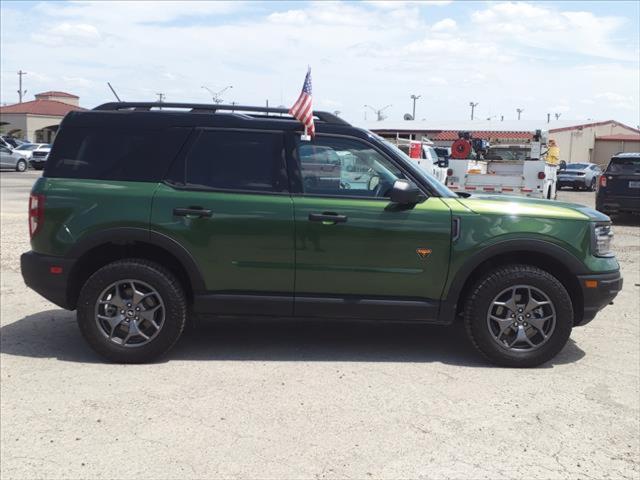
(480,300)
(162,280)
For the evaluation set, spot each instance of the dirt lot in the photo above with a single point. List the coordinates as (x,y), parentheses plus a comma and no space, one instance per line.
(312,400)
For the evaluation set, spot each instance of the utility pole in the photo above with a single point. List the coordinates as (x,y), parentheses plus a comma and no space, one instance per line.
(557,115)
(161,97)
(378,112)
(414,98)
(519,110)
(473,107)
(20,91)
(548,118)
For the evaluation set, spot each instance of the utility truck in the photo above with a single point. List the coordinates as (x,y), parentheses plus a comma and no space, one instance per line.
(423,153)
(492,166)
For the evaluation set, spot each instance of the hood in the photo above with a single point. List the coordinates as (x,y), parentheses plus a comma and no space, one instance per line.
(530,207)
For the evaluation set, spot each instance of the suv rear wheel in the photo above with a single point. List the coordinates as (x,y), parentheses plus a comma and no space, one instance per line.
(132,311)
(519,316)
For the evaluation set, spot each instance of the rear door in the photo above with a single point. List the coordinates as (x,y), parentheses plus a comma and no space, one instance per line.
(358,255)
(227,203)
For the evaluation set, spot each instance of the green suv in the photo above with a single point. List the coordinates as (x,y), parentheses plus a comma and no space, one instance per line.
(148,215)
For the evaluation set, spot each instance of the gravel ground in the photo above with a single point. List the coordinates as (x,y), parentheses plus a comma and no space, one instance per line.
(312,400)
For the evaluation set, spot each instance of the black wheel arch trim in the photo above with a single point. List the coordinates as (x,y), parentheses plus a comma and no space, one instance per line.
(125,235)
(449,304)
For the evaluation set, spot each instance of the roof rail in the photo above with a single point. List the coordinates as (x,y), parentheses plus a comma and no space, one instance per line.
(213,108)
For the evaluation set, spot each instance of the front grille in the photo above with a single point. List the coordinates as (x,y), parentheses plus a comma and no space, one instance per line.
(40,154)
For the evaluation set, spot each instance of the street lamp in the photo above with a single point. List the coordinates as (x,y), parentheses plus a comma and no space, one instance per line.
(216,96)
(473,107)
(378,112)
(414,98)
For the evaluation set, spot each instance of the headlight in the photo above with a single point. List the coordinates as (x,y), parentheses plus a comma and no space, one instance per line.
(601,235)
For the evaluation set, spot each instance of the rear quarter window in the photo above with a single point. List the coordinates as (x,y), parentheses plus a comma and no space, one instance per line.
(624,166)
(137,155)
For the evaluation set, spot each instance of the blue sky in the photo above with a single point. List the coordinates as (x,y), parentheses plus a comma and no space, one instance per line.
(579,59)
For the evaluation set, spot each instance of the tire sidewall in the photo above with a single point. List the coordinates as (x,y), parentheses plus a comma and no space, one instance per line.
(21,166)
(484,295)
(166,286)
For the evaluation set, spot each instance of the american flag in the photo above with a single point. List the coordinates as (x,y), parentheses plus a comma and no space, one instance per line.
(303,108)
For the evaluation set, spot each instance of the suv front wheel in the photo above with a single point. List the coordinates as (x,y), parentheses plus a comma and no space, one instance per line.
(132,311)
(519,316)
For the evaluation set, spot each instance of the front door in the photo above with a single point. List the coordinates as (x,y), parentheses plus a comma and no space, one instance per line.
(357,254)
(228,204)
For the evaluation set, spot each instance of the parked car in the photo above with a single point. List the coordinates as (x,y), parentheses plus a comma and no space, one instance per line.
(579,176)
(9,159)
(39,157)
(144,217)
(619,187)
(27,150)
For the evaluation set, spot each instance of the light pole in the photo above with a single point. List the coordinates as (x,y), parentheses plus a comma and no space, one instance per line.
(519,110)
(216,96)
(414,98)
(473,107)
(378,112)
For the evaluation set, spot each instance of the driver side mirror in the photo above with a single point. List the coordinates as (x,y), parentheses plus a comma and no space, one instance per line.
(443,162)
(406,193)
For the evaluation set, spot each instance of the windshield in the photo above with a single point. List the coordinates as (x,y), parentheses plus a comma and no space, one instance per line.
(624,165)
(577,166)
(27,146)
(418,172)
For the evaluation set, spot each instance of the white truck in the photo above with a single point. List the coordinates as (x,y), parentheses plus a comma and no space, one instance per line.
(424,154)
(504,168)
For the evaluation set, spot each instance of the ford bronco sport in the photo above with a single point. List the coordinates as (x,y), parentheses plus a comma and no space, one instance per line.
(145,217)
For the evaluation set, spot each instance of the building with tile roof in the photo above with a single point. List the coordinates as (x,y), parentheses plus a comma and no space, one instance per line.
(38,120)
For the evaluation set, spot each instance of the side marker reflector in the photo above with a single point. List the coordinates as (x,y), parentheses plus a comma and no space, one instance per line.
(591,283)
(55,270)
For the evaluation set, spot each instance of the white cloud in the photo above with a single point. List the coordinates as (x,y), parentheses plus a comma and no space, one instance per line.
(444,25)
(553,30)
(69,33)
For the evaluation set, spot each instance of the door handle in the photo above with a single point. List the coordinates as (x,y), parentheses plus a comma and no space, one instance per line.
(327,217)
(192,211)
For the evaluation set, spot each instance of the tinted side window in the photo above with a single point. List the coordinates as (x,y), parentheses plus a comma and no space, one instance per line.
(344,167)
(234,160)
(113,153)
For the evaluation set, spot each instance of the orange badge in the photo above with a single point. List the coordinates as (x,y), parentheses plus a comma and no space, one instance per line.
(423,252)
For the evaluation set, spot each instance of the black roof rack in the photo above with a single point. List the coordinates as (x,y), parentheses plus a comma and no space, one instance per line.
(213,108)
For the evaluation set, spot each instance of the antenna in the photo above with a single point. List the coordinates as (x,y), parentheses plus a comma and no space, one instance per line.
(114,92)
